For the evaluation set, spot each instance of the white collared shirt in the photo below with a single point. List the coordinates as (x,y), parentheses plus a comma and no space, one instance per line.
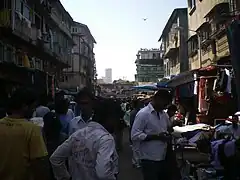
(93,153)
(148,122)
(77,123)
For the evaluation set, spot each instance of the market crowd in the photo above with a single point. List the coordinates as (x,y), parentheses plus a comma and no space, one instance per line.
(44,139)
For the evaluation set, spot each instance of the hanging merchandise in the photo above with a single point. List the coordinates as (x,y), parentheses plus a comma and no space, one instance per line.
(203,105)
(195,91)
(222,81)
(229,80)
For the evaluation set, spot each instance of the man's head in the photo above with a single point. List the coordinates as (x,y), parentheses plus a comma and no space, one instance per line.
(172,109)
(161,99)
(22,102)
(136,104)
(106,114)
(85,100)
(61,106)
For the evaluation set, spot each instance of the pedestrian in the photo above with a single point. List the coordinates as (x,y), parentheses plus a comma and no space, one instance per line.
(92,149)
(23,154)
(85,100)
(150,132)
(42,108)
(135,149)
(121,125)
(64,114)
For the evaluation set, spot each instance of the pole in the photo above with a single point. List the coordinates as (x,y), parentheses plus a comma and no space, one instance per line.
(199,50)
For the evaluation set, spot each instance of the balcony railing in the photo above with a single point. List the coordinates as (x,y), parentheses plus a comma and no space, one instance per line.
(5,18)
(22,26)
(61,25)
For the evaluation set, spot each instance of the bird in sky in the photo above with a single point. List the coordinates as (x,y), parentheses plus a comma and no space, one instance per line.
(145,19)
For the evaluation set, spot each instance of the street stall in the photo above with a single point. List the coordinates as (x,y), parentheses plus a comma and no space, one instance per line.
(202,94)
(185,94)
(215,89)
(207,152)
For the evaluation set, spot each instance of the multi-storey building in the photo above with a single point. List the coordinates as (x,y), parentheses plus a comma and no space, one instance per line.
(35,41)
(108,75)
(149,66)
(207,41)
(82,71)
(174,43)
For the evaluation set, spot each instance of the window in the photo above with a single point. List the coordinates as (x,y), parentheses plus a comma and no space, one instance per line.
(205,32)
(193,46)
(18,5)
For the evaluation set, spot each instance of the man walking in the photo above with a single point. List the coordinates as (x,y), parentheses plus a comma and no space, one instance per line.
(92,149)
(150,131)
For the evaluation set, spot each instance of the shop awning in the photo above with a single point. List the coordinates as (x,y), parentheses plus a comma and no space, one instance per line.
(183,78)
(152,87)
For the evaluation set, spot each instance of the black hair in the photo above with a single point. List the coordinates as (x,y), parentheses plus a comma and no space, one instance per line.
(172,108)
(21,97)
(85,92)
(61,106)
(43,100)
(104,110)
(163,94)
(135,103)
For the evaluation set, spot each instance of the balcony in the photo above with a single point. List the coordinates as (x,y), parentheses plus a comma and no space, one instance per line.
(149,61)
(61,24)
(171,49)
(22,27)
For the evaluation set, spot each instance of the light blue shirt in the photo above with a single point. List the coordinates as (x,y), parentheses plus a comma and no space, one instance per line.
(147,122)
(77,123)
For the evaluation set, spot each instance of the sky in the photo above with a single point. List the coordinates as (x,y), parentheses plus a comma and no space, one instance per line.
(120,31)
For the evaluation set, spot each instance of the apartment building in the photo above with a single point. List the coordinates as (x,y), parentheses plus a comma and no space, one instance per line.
(35,41)
(149,66)
(174,42)
(207,43)
(82,72)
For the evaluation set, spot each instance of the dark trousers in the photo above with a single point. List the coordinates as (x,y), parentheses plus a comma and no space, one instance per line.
(119,140)
(154,170)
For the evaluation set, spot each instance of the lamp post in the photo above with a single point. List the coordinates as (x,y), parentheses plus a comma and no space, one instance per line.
(199,44)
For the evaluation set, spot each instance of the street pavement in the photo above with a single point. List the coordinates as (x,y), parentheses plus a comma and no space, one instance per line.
(126,171)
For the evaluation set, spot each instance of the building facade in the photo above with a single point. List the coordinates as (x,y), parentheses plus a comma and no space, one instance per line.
(82,72)
(149,66)
(208,43)
(108,76)
(174,42)
(35,38)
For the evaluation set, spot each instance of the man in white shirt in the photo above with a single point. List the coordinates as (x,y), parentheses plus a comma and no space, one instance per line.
(92,150)
(150,131)
(85,101)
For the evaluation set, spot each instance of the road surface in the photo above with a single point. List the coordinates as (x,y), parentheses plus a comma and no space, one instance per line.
(126,171)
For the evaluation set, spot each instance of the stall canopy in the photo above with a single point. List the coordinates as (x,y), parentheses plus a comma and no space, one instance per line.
(183,78)
(147,87)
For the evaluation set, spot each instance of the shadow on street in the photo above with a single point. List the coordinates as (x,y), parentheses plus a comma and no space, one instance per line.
(126,171)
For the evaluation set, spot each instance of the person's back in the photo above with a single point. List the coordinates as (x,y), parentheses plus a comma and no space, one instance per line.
(84,146)
(20,143)
(23,154)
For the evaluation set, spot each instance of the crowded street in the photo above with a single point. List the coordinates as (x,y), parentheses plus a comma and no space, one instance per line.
(120,90)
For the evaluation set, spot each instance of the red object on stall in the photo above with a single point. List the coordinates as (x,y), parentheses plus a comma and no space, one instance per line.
(202,106)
